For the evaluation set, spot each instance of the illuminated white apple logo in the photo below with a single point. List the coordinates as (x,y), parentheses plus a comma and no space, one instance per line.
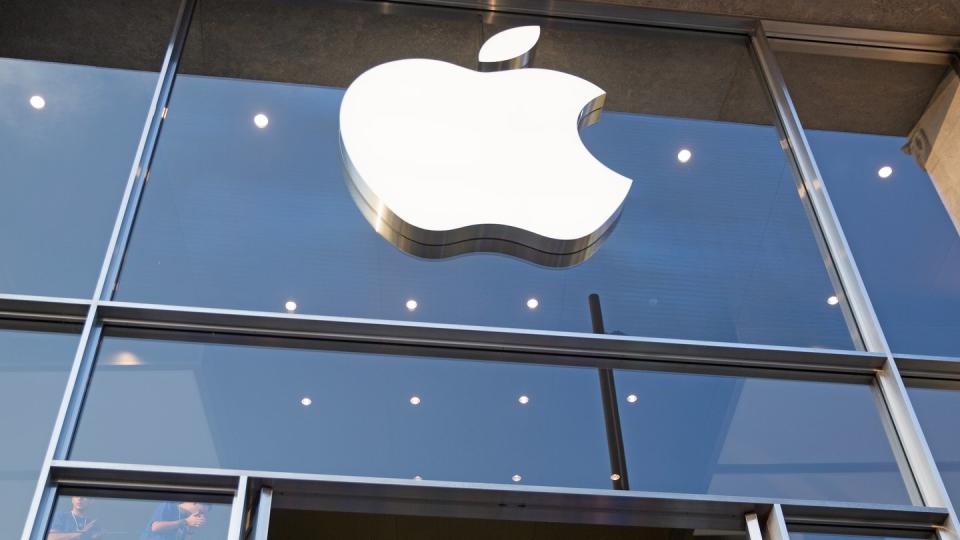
(444,160)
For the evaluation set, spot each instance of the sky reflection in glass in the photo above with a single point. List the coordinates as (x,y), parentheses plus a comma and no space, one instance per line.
(237,216)
(65,165)
(365,414)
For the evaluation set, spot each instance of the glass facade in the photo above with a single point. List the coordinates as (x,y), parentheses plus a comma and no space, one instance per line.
(701,251)
(789,439)
(257,340)
(33,374)
(344,413)
(862,115)
(70,121)
(81,516)
(938,405)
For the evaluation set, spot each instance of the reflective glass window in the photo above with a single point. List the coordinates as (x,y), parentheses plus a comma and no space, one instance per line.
(938,406)
(247,205)
(77,516)
(75,85)
(341,412)
(33,372)
(884,134)
(757,437)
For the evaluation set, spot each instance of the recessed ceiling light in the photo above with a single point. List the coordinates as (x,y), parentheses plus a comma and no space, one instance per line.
(306,402)
(614,477)
(261,120)
(885,171)
(516,478)
(833,300)
(37,102)
(418,477)
(290,305)
(415,400)
(533,303)
(684,155)
(632,398)
(524,399)
(412,305)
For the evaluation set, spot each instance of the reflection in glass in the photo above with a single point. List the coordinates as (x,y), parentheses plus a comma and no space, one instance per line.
(78,517)
(66,155)
(33,373)
(756,437)
(937,408)
(716,248)
(884,137)
(336,412)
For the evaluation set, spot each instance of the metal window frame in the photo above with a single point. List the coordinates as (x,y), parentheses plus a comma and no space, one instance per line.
(254,493)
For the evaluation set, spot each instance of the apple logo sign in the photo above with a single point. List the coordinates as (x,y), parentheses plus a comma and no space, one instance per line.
(444,160)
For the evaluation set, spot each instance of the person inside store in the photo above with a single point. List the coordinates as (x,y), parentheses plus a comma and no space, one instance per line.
(75,524)
(175,521)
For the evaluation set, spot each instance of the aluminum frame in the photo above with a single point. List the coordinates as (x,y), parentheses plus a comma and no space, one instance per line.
(268,489)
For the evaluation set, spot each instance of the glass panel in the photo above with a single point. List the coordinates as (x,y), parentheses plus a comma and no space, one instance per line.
(68,133)
(757,437)
(938,408)
(864,118)
(339,412)
(33,373)
(716,247)
(132,519)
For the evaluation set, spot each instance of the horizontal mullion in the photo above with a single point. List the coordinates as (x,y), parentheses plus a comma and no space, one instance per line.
(565,347)
(600,12)
(929,367)
(43,308)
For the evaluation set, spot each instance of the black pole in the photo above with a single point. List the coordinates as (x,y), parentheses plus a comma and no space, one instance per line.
(611,413)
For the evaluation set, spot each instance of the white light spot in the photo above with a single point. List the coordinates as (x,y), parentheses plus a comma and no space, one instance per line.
(412,305)
(261,120)
(533,303)
(632,398)
(415,400)
(37,102)
(614,477)
(306,402)
(524,399)
(290,306)
(516,478)
(684,155)
(885,171)
(418,477)
(833,300)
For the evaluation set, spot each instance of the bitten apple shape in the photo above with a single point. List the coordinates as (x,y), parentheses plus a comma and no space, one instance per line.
(444,160)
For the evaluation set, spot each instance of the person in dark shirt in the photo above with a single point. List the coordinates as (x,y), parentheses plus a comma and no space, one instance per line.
(75,524)
(175,521)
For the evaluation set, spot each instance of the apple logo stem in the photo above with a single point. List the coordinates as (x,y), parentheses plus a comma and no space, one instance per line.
(444,160)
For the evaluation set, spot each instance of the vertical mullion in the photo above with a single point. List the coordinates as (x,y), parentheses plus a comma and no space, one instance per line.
(923,469)
(753,526)
(261,525)
(611,411)
(75,392)
(776,526)
(239,510)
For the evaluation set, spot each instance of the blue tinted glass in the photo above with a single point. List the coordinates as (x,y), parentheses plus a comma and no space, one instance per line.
(129,519)
(33,372)
(717,248)
(345,413)
(938,410)
(756,437)
(68,134)
(830,536)
(888,157)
